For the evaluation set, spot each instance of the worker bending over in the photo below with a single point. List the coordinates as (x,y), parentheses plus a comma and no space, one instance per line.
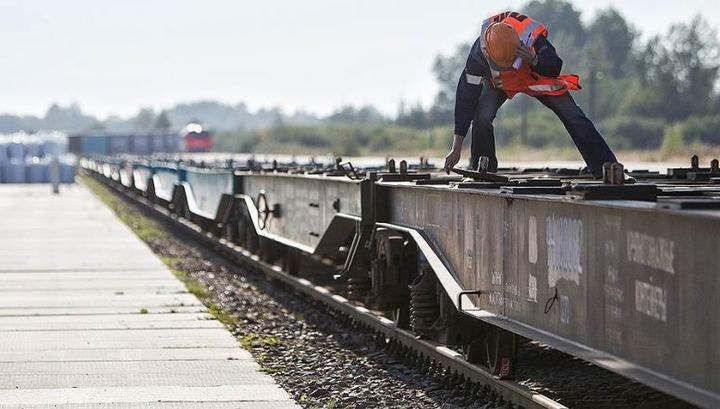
(513,55)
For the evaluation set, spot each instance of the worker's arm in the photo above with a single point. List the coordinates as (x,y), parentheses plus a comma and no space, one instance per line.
(549,63)
(468,92)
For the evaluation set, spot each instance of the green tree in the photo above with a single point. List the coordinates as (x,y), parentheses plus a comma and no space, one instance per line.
(162,123)
(70,118)
(144,119)
(559,16)
(678,72)
(604,62)
(673,140)
(614,34)
(416,117)
(447,70)
(363,115)
(696,58)
(633,91)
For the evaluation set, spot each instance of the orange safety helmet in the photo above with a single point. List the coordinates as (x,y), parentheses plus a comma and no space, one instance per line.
(500,37)
(502,42)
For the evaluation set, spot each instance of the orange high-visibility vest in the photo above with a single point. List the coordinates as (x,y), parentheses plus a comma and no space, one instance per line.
(520,78)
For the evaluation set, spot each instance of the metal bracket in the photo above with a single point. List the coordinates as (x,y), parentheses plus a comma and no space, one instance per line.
(349,171)
(468,292)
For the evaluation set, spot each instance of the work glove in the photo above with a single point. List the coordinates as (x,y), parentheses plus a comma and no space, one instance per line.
(527,54)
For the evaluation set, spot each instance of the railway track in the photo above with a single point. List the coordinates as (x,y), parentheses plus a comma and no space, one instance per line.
(437,359)
(574,383)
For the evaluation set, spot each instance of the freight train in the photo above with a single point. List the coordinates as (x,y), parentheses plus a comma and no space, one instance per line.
(623,276)
(192,138)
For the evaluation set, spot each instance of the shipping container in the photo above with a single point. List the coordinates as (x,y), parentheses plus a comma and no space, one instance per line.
(37,170)
(172,143)
(140,144)
(14,171)
(119,144)
(95,145)
(32,149)
(157,144)
(50,148)
(67,172)
(75,144)
(15,150)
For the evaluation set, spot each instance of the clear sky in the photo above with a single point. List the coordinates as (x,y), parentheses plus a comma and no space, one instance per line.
(116,56)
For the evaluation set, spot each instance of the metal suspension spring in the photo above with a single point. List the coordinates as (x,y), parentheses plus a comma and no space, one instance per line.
(424,307)
(358,287)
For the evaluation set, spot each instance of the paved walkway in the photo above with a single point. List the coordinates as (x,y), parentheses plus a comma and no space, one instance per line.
(90,318)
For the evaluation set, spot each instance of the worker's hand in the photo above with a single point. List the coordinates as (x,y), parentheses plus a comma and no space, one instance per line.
(451,160)
(453,157)
(527,54)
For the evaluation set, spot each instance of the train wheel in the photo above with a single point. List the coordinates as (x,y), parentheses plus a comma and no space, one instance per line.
(385,268)
(474,351)
(247,237)
(150,194)
(291,262)
(389,274)
(241,229)
(230,232)
(181,210)
(264,250)
(270,251)
(251,239)
(501,351)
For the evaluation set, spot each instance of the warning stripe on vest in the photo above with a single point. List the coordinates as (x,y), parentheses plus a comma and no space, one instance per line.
(473,79)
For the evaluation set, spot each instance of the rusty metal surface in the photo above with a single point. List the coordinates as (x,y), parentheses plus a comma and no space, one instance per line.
(622,279)
(632,283)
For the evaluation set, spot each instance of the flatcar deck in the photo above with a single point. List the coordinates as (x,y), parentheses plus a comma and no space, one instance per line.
(89,317)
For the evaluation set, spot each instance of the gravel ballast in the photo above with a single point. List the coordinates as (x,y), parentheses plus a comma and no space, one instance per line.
(320,359)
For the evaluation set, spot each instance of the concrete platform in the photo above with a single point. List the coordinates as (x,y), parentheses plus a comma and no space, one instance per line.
(90,318)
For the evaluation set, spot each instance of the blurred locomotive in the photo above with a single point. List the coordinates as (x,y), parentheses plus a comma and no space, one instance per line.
(196,138)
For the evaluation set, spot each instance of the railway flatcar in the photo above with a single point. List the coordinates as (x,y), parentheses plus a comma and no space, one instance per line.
(623,276)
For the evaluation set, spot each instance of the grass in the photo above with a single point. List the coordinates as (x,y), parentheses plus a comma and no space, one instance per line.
(254,340)
(148,230)
(151,231)
(227,318)
(174,263)
(196,288)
